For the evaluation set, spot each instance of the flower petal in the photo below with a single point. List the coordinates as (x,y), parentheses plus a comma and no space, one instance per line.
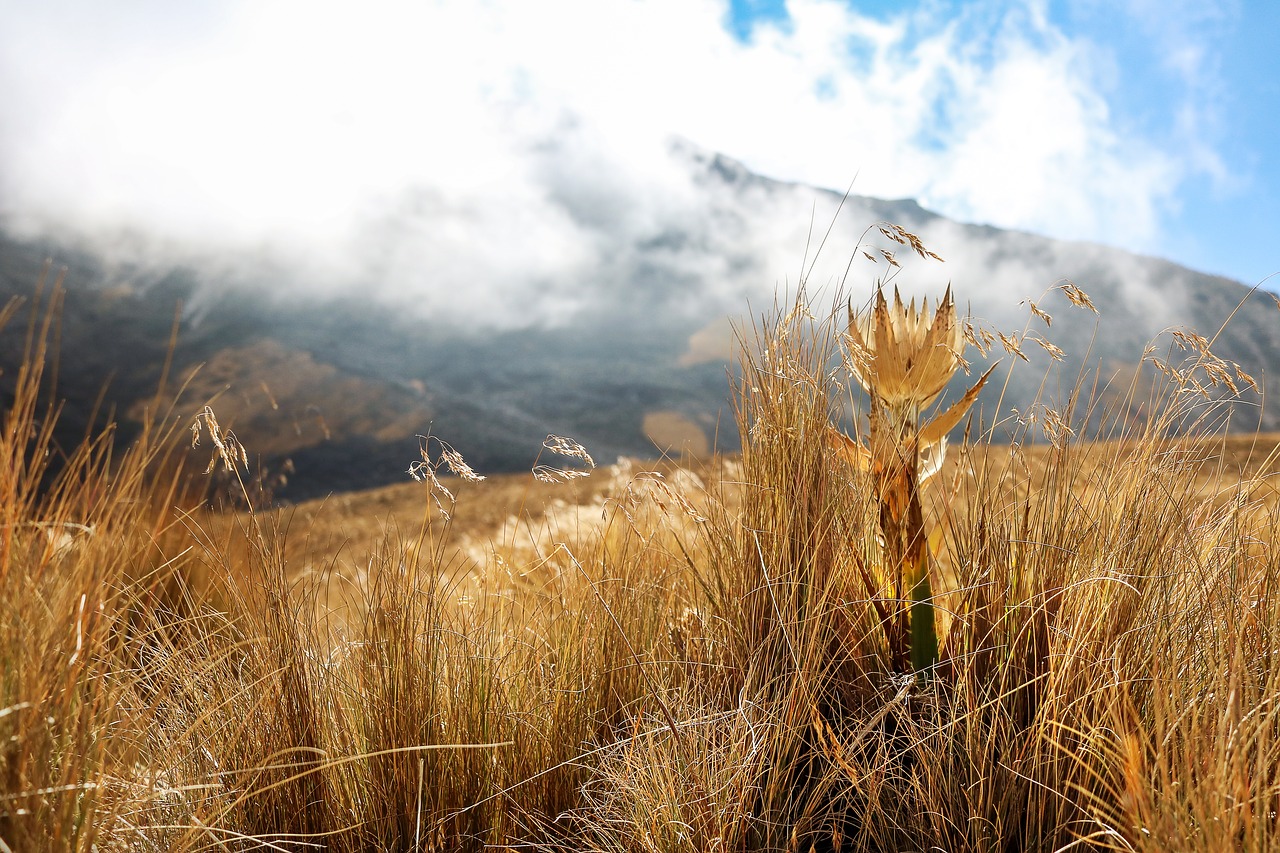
(937,429)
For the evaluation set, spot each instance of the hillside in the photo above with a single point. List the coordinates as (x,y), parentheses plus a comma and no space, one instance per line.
(336,387)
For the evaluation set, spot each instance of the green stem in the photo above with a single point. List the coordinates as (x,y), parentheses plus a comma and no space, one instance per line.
(924,633)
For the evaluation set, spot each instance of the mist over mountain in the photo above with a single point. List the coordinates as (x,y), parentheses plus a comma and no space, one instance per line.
(605,317)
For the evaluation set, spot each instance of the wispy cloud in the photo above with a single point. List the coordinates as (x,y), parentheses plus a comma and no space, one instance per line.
(458,156)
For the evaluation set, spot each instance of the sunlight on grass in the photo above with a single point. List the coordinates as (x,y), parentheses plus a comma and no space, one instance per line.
(829,643)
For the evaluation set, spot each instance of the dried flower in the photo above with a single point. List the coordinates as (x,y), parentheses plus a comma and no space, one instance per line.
(904,358)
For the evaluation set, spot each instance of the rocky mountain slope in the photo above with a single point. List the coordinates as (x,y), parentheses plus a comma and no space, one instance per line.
(339,386)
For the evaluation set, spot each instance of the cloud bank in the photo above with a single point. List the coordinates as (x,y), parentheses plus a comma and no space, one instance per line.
(508,163)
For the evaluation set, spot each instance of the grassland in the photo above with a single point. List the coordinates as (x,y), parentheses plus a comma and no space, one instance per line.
(651,657)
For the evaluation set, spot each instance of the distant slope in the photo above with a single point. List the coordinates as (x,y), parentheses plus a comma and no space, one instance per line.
(341,386)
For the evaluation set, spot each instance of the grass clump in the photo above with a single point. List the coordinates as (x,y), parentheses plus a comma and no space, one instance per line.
(831,643)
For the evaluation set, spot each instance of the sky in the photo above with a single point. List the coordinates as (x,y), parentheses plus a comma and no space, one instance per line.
(355,140)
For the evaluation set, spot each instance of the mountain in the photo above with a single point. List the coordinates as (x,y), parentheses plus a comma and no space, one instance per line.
(341,383)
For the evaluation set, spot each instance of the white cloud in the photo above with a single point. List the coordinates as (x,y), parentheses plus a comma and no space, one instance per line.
(457,155)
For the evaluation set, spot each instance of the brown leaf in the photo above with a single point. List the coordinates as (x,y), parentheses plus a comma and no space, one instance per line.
(847,449)
(938,428)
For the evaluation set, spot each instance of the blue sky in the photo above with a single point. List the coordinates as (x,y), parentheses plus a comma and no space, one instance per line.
(296,127)
(1199,79)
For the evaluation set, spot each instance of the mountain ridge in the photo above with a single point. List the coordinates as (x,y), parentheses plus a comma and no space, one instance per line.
(342,386)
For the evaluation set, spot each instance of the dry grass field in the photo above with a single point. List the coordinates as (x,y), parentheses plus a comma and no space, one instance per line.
(507,513)
(821,644)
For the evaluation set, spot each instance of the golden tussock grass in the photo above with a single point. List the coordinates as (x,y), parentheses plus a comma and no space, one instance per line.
(718,659)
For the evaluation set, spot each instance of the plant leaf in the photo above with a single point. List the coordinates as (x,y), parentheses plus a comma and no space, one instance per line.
(924,631)
(848,449)
(938,428)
